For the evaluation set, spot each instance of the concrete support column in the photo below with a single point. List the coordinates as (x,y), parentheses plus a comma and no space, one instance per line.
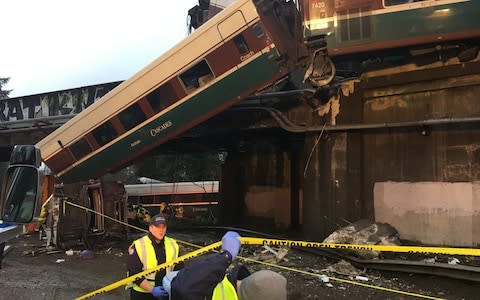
(315,193)
(297,161)
(232,189)
(331,184)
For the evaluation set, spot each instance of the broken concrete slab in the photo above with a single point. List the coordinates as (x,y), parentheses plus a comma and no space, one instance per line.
(365,232)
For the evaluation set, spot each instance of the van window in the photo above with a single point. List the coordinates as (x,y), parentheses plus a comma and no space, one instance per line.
(197,76)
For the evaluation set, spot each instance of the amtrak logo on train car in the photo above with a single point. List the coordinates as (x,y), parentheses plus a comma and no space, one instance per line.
(157,130)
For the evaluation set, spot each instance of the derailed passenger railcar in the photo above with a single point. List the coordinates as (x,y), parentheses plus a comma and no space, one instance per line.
(85,210)
(242,50)
(357,26)
(236,53)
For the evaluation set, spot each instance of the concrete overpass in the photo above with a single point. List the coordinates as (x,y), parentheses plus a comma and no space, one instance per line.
(398,145)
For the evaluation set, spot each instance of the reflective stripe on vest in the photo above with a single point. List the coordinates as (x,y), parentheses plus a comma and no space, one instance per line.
(146,254)
(224,291)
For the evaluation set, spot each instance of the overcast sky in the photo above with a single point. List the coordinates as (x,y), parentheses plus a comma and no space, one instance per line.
(49,45)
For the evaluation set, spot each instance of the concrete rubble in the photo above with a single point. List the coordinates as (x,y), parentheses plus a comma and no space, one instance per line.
(365,232)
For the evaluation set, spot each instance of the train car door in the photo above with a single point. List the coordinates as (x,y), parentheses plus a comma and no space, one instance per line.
(95,200)
(229,26)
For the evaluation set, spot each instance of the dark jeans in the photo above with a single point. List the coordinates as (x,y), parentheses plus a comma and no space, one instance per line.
(134,295)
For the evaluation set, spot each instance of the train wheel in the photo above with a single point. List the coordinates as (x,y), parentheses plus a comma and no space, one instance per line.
(322,71)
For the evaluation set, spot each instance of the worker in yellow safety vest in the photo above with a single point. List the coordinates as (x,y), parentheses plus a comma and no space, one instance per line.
(207,278)
(48,220)
(147,252)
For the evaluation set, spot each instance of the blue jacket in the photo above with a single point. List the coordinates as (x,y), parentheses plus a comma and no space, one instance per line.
(199,278)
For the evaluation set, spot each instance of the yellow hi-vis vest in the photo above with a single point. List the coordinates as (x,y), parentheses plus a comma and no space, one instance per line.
(43,215)
(147,256)
(225,291)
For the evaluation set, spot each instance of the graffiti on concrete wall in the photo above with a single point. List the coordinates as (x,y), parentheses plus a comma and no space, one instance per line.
(60,103)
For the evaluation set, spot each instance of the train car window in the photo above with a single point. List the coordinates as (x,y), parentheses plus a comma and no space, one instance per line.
(197,76)
(241,44)
(131,116)
(162,97)
(398,2)
(104,133)
(80,148)
(355,24)
(188,197)
(258,31)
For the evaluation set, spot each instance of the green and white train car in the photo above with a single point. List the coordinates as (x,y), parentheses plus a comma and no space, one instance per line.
(361,26)
(234,54)
(242,50)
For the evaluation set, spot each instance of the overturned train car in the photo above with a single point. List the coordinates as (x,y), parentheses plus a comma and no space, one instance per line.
(90,213)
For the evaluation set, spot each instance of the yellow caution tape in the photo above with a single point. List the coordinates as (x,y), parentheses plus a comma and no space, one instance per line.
(381,248)
(371,286)
(305,244)
(286,243)
(100,214)
(141,275)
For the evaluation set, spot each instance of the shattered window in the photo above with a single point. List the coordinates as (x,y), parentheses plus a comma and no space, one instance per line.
(80,149)
(241,44)
(132,116)
(104,133)
(162,97)
(197,76)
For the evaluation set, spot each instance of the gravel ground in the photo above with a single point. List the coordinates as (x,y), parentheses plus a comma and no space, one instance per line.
(59,276)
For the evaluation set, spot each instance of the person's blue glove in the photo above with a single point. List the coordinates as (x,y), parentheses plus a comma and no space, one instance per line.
(159,291)
(231,243)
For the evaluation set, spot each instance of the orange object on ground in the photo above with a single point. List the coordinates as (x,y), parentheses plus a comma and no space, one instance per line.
(31,227)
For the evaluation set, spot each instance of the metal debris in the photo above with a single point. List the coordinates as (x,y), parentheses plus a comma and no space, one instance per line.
(279,254)
(453,261)
(323,278)
(361,278)
(343,267)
